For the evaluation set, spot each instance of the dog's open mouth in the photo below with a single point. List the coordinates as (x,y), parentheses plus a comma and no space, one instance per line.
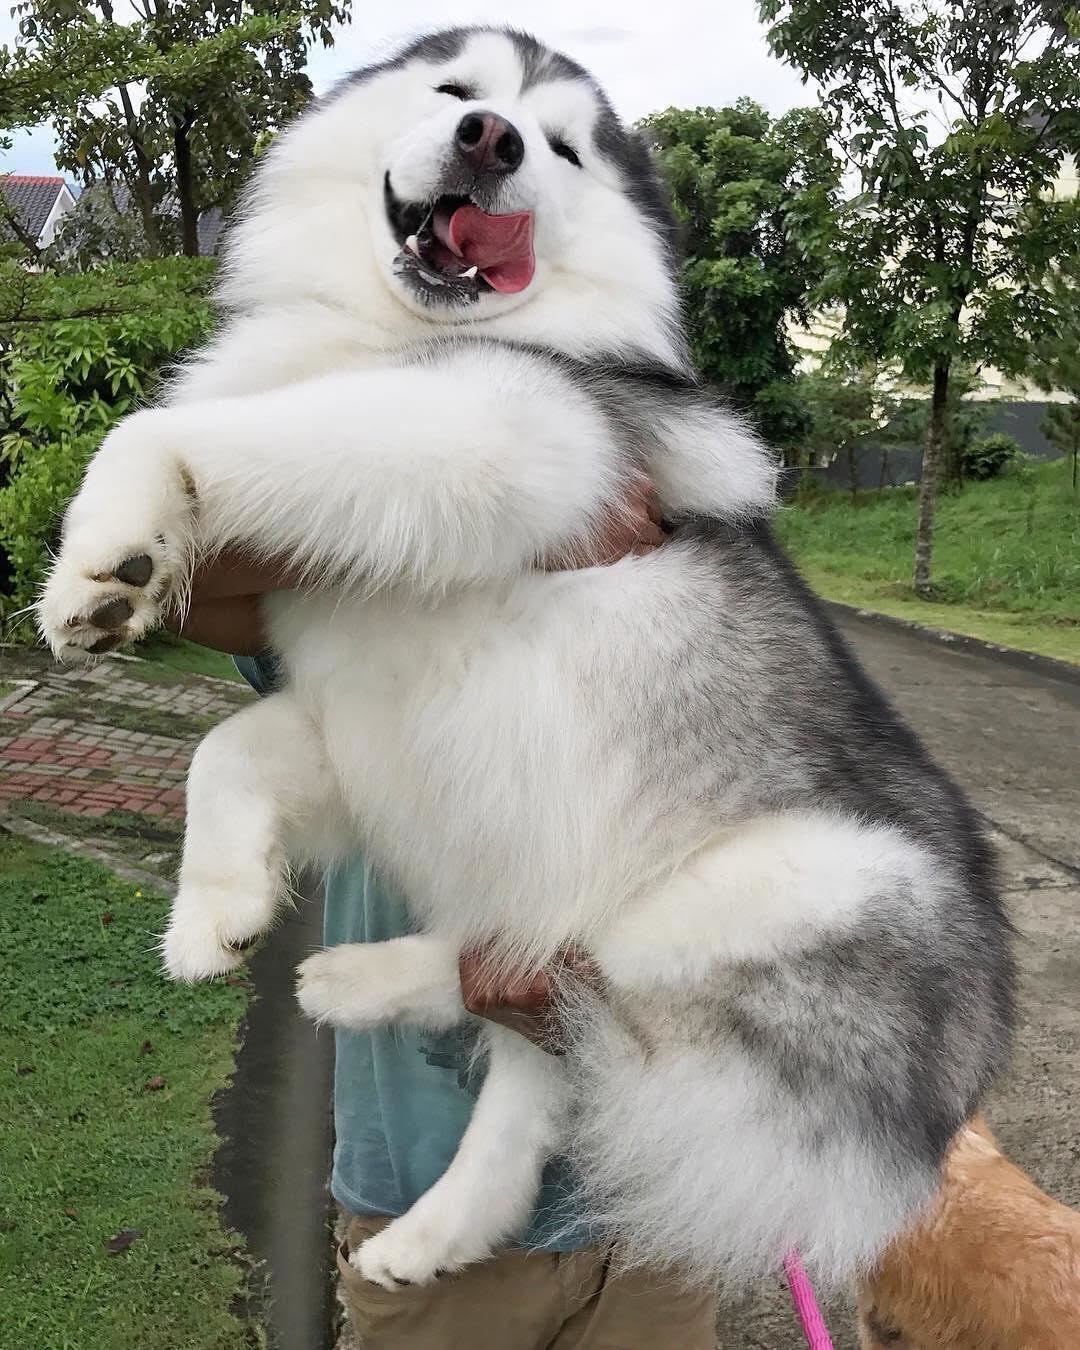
(453,247)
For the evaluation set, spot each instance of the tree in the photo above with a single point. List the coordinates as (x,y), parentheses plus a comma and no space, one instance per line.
(1061,425)
(846,410)
(96,231)
(963,422)
(172,104)
(745,190)
(1058,367)
(957,115)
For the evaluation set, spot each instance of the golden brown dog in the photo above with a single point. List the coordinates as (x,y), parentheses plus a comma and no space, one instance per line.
(995,1266)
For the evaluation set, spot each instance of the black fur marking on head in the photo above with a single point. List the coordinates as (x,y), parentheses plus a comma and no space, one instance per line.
(435,48)
(541,65)
(620,146)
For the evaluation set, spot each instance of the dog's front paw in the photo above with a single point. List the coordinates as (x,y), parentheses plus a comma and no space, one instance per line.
(127,546)
(93,603)
(409,1251)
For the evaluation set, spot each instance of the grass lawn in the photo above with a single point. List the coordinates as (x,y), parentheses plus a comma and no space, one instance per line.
(1006,557)
(165,649)
(106,1077)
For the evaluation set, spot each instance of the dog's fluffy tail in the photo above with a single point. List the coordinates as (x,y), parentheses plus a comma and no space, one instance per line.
(695,1160)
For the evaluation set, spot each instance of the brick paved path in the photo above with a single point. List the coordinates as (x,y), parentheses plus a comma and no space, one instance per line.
(101,755)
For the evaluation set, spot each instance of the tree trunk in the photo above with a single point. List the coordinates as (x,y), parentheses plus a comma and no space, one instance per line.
(852,473)
(185,188)
(141,189)
(935,438)
(142,194)
(884,470)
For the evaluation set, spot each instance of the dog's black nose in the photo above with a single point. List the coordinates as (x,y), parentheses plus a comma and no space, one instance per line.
(489,143)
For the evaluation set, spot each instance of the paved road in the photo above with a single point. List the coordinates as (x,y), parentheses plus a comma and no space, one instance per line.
(1012,739)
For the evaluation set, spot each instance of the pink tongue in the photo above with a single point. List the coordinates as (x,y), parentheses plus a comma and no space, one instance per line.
(501,247)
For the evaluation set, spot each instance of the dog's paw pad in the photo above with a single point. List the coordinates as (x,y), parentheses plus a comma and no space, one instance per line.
(112,614)
(136,570)
(105,644)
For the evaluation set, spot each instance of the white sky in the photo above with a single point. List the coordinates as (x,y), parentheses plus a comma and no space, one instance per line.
(648,54)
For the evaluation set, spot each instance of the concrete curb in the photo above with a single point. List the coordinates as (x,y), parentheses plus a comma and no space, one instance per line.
(275,1123)
(30,829)
(1031,662)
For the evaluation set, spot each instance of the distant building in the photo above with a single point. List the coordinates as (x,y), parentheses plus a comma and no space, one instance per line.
(38,202)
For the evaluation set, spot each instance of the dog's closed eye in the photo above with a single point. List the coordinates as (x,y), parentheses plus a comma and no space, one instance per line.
(565,151)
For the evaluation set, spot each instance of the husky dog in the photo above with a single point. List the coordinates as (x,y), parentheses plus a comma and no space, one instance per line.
(453,340)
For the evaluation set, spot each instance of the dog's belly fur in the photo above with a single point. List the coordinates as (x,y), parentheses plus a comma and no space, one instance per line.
(496,750)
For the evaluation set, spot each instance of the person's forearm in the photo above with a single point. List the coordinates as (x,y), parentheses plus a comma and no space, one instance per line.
(233,625)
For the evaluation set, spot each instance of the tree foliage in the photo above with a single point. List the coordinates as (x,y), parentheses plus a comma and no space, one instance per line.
(749,192)
(847,411)
(956,115)
(76,352)
(1058,369)
(171,104)
(989,456)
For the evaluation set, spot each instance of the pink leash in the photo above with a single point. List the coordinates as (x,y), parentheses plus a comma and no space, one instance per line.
(806,1305)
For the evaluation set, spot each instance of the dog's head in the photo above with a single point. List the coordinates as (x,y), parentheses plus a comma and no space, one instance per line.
(482,179)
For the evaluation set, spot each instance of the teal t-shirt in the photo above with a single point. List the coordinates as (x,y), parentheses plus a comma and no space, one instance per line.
(402,1098)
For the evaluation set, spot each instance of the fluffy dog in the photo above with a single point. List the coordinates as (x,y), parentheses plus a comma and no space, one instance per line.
(452,339)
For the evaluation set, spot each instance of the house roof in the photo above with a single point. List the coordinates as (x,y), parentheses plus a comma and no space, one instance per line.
(32,197)
(209,226)
(211,223)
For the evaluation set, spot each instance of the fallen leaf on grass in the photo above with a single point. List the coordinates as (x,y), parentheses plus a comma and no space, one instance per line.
(106,918)
(154,1084)
(123,1240)
(71,1213)
(147,1048)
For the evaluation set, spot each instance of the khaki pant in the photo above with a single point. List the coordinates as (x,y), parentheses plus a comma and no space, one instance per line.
(523,1300)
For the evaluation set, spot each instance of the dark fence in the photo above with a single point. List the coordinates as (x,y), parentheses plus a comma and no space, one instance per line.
(895,464)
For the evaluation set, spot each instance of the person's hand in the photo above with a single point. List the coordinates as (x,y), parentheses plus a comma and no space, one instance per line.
(224,611)
(632,528)
(525,1004)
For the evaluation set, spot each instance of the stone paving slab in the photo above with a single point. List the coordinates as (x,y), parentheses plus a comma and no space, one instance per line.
(111,743)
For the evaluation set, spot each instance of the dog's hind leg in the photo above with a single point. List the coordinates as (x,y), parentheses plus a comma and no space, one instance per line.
(409,980)
(260,792)
(488,1192)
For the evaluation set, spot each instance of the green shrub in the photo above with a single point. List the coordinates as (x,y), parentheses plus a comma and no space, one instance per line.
(989,456)
(77,352)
